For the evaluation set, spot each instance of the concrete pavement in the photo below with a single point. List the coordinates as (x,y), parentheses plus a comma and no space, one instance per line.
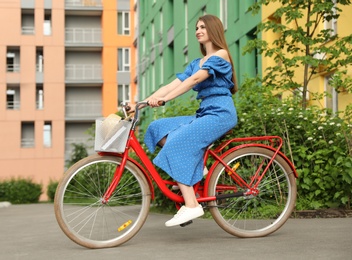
(31,232)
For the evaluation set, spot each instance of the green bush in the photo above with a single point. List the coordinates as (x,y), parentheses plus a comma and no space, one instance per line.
(51,189)
(317,141)
(20,191)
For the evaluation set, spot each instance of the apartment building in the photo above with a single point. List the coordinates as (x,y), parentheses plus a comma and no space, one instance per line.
(319,83)
(63,64)
(167,43)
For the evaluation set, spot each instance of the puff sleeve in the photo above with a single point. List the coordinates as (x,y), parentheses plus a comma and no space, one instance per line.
(188,71)
(217,67)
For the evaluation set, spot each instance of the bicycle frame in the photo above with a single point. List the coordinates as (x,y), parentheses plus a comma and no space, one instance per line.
(218,154)
(103,200)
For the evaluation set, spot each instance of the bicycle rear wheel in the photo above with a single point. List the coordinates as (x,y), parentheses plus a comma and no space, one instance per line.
(254,215)
(80,210)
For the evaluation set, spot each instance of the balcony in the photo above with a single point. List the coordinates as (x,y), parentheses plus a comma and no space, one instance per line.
(83,109)
(28,30)
(83,37)
(83,3)
(14,67)
(83,73)
(13,105)
(84,7)
(27,142)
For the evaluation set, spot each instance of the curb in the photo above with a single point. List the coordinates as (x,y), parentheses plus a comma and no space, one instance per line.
(5,204)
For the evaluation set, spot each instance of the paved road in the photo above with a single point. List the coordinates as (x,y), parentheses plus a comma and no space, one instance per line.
(31,232)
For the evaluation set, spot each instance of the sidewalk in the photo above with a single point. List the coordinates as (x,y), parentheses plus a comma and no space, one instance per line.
(30,232)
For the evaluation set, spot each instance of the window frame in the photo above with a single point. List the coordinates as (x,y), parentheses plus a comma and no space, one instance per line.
(122,28)
(123,65)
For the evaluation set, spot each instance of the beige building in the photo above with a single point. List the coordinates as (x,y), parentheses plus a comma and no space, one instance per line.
(63,64)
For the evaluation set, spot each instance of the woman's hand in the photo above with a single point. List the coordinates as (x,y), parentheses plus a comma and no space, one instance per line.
(130,108)
(155,101)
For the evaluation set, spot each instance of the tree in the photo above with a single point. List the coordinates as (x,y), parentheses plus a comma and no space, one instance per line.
(79,152)
(302,45)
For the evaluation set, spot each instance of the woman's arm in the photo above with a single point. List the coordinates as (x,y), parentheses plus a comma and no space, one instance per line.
(177,88)
(161,92)
(187,84)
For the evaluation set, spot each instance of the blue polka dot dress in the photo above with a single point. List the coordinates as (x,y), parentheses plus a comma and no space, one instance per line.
(189,136)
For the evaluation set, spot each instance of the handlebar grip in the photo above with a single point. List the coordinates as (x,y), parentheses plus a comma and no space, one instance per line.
(160,103)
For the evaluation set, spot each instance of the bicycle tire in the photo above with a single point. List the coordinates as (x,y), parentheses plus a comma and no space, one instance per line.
(81,213)
(253,216)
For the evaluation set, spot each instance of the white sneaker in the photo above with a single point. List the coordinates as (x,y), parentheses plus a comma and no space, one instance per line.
(184,215)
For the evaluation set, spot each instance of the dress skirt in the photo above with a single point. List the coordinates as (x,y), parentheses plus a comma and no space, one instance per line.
(189,136)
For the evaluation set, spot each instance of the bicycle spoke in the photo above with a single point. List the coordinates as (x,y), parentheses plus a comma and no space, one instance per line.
(93,222)
(265,206)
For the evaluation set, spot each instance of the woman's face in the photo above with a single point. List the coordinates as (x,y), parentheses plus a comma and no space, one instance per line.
(201,32)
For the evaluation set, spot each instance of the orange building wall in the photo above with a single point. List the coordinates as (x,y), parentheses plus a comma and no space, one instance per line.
(112,41)
(39,163)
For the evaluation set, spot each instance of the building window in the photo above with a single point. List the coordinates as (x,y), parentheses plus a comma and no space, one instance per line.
(161,71)
(123,59)
(13,59)
(143,93)
(153,83)
(223,13)
(13,97)
(123,23)
(39,97)
(152,34)
(185,5)
(161,25)
(27,134)
(39,59)
(47,22)
(123,92)
(27,21)
(204,10)
(47,135)
(331,95)
(185,49)
(332,24)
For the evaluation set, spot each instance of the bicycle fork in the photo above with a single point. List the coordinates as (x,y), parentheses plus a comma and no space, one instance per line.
(115,180)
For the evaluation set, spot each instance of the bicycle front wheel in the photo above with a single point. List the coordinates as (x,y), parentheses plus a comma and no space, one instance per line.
(83,215)
(253,215)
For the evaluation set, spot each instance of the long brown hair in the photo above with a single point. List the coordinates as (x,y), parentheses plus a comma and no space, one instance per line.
(216,34)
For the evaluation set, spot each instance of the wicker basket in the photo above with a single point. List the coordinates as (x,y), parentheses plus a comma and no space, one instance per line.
(113,138)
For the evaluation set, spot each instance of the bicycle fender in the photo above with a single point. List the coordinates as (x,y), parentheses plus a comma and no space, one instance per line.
(243,146)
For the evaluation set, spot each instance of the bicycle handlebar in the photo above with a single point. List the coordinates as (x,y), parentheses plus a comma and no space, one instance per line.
(139,105)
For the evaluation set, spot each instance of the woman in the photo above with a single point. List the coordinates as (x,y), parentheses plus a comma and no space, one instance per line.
(185,138)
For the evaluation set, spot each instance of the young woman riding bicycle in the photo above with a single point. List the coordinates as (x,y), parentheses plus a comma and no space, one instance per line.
(184,139)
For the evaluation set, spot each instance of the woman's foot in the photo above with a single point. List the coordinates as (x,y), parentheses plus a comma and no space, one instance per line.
(185,214)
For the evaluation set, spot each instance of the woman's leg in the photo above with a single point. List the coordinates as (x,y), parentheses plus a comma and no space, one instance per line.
(162,142)
(188,195)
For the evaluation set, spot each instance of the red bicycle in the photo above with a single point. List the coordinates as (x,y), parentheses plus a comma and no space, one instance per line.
(103,200)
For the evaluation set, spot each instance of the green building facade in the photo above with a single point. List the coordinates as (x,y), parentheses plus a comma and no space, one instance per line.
(167,42)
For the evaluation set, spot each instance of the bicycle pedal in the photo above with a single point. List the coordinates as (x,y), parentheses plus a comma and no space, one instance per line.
(186,223)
